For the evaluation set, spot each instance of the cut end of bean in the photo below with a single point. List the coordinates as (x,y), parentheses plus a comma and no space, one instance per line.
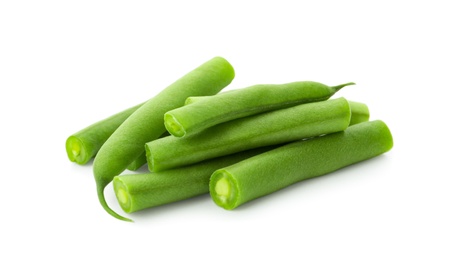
(122,194)
(148,154)
(173,126)
(223,189)
(100,194)
(76,150)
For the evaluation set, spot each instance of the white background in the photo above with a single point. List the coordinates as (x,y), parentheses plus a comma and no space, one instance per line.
(67,64)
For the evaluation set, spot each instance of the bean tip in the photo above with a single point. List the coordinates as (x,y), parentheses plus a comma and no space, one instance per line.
(100,194)
(338,87)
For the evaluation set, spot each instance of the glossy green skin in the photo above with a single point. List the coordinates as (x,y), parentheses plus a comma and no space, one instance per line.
(148,190)
(90,139)
(271,171)
(239,103)
(275,127)
(359,112)
(146,123)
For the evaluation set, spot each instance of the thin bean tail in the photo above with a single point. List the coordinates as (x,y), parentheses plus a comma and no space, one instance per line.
(100,194)
(338,87)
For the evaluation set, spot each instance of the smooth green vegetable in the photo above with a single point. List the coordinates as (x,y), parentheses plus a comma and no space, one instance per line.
(275,127)
(359,112)
(194,99)
(146,123)
(191,100)
(141,160)
(137,163)
(145,190)
(271,171)
(84,144)
(244,102)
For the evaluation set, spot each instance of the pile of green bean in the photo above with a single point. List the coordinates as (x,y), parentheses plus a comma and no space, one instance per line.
(236,145)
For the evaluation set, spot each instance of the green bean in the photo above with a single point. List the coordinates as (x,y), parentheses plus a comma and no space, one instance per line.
(194,99)
(359,112)
(84,144)
(137,163)
(191,100)
(275,127)
(244,102)
(135,192)
(141,160)
(266,173)
(146,123)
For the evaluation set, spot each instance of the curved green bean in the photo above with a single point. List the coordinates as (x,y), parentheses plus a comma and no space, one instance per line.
(84,144)
(135,192)
(275,127)
(271,171)
(244,102)
(146,123)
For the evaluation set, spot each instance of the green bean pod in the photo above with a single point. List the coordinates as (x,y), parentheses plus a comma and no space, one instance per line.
(359,112)
(84,144)
(274,127)
(135,192)
(146,123)
(142,159)
(266,173)
(194,99)
(239,103)
(137,163)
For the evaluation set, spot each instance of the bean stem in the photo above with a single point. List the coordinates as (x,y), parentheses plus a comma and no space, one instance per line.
(339,87)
